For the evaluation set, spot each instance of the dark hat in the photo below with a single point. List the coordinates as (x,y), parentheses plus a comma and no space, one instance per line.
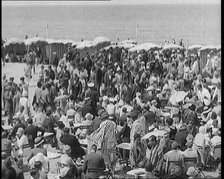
(22,78)
(11,78)
(214,115)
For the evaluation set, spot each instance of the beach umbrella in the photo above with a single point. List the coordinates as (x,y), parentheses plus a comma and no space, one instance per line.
(156,133)
(145,46)
(85,44)
(66,41)
(194,47)
(98,40)
(128,42)
(74,43)
(173,47)
(34,40)
(127,46)
(177,97)
(13,41)
(208,48)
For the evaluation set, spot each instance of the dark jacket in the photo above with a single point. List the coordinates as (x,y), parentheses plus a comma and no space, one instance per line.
(93,165)
(72,141)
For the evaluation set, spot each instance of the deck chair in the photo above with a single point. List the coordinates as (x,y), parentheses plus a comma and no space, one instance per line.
(190,162)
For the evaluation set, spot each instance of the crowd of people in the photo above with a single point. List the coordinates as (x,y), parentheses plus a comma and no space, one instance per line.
(121,97)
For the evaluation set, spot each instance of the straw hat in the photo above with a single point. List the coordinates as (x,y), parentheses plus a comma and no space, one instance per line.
(215,131)
(89,116)
(20,131)
(39,157)
(67,149)
(91,85)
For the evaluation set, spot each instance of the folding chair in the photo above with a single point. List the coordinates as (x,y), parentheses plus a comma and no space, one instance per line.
(190,162)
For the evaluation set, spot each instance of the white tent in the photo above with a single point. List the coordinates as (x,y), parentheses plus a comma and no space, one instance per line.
(128,42)
(34,40)
(197,47)
(85,44)
(172,47)
(98,40)
(208,47)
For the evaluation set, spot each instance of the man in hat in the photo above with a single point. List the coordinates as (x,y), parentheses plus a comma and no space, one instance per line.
(38,148)
(31,132)
(16,100)
(21,140)
(94,164)
(51,73)
(24,101)
(181,136)
(41,74)
(9,93)
(94,97)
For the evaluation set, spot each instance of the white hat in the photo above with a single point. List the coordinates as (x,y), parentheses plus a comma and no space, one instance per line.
(105,98)
(89,116)
(215,131)
(24,94)
(91,85)
(111,100)
(39,157)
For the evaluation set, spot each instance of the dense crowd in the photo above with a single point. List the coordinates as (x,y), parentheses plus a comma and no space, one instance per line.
(121,97)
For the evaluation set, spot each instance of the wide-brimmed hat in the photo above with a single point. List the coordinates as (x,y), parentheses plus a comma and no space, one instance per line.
(20,131)
(67,149)
(104,115)
(38,141)
(89,116)
(90,84)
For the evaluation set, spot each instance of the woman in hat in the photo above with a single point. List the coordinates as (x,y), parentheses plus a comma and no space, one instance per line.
(137,152)
(174,162)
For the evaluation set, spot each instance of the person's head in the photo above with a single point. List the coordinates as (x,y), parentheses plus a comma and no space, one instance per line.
(213,116)
(215,123)
(20,132)
(30,121)
(137,138)
(169,121)
(49,67)
(189,144)
(61,125)
(66,130)
(174,145)
(152,141)
(22,79)
(93,148)
(4,135)
(42,67)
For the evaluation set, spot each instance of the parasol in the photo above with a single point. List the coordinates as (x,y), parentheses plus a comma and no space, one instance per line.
(85,44)
(194,47)
(156,133)
(128,42)
(13,41)
(208,48)
(98,40)
(177,97)
(34,40)
(127,45)
(145,46)
(172,47)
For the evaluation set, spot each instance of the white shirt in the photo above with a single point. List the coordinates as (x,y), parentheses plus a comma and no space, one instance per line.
(20,142)
(111,109)
(25,103)
(216,140)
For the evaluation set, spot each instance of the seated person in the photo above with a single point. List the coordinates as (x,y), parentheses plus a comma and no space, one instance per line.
(137,152)
(41,158)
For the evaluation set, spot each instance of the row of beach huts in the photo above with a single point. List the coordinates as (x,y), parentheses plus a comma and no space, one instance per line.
(18,47)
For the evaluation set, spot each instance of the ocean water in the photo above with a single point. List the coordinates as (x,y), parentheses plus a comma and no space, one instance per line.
(195,24)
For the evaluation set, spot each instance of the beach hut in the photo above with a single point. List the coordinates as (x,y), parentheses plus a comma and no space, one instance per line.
(194,49)
(15,46)
(204,51)
(58,46)
(101,42)
(34,42)
(86,46)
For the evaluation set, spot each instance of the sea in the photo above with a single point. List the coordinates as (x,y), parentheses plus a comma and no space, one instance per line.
(195,24)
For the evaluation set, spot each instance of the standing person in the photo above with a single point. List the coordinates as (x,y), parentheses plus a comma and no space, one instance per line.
(28,72)
(37,94)
(21,140)
(55,63)
(4,84)
(9,93)
(94,97)
(98,77)
(88,65)
(32,60)
(76,89)
(51,73)
(93,164)
(38,56)
(16,100)
(23,85)
(24,102)
(41,74)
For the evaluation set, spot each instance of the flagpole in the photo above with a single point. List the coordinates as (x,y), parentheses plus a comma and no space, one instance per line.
(136,32)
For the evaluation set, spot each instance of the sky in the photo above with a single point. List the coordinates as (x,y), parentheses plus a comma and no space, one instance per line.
(107,2)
